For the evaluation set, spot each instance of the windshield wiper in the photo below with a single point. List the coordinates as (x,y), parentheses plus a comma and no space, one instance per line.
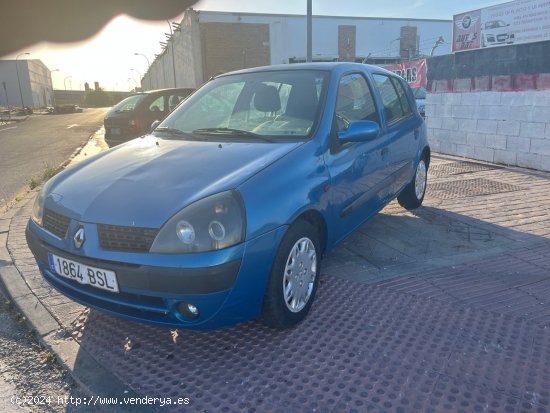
(172,131)
(232,132)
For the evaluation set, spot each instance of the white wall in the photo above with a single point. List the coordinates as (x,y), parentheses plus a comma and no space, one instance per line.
(511,128)
(374,35)
(35,80)
(187,59)
(287,35)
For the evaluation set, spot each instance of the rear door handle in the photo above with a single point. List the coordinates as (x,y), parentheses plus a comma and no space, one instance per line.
(385,152)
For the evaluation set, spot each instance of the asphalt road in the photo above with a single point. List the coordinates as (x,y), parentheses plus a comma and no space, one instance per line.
(28,147)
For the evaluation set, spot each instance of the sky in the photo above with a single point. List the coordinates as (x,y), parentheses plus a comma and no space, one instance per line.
(108,57)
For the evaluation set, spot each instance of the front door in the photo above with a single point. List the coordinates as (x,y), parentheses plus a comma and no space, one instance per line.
(358,170)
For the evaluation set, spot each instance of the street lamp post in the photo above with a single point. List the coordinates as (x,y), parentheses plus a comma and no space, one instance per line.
(53,93)
(65,81)
(148,66)
(139,74)
(7,99)
(309,31)
(173,57)
(18,80)
(133,80)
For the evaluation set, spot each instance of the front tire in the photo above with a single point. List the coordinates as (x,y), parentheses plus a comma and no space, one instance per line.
(412,196)
(294,277)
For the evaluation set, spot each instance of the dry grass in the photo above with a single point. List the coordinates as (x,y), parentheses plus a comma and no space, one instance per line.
(49,171)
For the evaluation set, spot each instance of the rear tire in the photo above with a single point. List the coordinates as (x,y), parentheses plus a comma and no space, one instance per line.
(412,196)
(294,277)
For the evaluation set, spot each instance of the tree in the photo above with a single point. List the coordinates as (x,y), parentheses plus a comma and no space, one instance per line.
(98,98)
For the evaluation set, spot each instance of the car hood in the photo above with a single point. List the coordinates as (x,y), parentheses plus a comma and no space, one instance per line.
(142,183)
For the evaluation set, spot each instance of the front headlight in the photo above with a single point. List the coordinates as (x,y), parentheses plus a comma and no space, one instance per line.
(212,223)
(38,207)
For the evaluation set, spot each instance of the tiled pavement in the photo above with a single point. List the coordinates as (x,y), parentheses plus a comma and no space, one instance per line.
(445,308)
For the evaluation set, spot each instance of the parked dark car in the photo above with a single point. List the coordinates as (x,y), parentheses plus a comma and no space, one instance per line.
(223,213)
(133,116)
(67,109)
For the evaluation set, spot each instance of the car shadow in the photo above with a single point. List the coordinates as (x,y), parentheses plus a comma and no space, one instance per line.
(326,362)
(396,242)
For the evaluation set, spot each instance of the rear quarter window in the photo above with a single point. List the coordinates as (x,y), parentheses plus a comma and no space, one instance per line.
(129,104)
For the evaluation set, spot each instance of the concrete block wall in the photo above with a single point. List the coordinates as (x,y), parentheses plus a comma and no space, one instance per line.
(511,128)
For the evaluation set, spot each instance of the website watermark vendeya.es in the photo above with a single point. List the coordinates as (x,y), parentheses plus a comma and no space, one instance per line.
(48,400)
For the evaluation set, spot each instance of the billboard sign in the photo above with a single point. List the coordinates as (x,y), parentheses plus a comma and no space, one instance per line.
(515,22)
(414,72)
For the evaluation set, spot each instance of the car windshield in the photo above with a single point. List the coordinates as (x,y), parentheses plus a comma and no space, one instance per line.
(419,92)
(268,105)
(128,104)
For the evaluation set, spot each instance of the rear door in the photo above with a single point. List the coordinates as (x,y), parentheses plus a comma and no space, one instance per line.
(403,129)
(175,98)
(154,108)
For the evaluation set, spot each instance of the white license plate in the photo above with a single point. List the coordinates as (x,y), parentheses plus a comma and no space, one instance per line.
(84,274)
(115,131)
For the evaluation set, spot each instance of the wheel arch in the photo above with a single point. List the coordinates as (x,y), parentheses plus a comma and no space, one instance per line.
(316,219)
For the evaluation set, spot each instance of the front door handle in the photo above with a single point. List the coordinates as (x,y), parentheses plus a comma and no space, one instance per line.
(385,153)
(416,133)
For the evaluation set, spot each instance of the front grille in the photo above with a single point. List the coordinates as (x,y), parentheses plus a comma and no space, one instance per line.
(55,223)
(131,239)
(502,37)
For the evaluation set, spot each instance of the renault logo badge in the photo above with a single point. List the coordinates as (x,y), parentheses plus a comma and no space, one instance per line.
(79,238)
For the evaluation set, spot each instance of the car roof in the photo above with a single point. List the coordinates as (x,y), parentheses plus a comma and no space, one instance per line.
(324,66)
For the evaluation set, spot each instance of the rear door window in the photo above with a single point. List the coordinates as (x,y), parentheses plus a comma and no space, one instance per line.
(402,96)
(395,107)
(128,104)
(174,100)
(157,105)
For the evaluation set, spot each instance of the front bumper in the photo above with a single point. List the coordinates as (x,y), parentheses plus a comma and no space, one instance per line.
(226,286)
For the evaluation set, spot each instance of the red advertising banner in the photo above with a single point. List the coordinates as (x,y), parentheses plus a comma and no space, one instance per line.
(414,72)
(515,22)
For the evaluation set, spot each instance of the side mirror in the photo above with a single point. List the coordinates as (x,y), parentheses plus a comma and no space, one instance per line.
(154,125)
(360,131)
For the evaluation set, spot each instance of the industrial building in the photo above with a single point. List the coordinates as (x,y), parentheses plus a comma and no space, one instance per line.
(25,82)
(206,43)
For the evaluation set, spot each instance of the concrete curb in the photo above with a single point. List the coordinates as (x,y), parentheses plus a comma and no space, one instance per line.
(93,378)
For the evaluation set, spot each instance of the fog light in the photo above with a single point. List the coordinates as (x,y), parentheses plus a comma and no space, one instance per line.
(188,310)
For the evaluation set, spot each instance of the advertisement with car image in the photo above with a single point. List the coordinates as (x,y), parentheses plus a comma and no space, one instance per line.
(520,21)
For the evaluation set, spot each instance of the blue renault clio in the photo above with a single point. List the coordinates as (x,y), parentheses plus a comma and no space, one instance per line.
(222,213)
